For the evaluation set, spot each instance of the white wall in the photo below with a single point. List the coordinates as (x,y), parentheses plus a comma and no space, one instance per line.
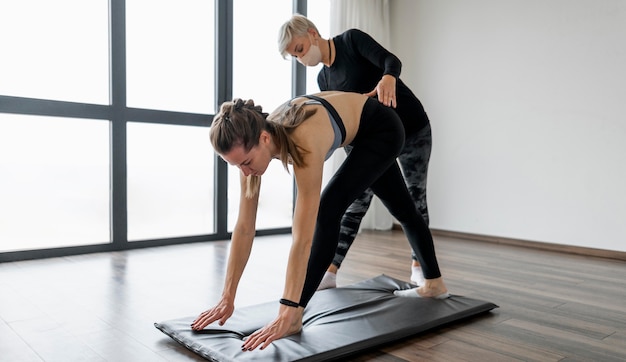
(527,100)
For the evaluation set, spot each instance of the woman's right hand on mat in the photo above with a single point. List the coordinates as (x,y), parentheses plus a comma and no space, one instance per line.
(222,311)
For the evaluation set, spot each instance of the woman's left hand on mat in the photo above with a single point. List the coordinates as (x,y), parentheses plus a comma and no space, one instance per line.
(288,322)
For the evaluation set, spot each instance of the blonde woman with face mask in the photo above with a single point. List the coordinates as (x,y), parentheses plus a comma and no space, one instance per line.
(355,62)
(304,132)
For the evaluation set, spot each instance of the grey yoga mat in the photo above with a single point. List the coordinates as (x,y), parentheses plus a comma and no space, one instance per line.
(337,323)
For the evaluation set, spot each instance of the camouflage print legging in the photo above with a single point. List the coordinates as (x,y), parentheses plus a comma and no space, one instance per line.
(414,163)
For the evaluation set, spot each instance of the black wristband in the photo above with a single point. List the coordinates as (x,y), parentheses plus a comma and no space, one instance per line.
(289,303)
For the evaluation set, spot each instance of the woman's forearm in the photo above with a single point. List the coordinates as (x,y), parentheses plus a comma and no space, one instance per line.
(305,216)
(241,246)
(241,240)
(296,268)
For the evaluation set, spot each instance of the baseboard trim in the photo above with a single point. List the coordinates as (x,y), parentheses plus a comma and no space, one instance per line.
(578,250)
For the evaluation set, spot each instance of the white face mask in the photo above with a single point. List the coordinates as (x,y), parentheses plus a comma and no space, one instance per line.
(313,57)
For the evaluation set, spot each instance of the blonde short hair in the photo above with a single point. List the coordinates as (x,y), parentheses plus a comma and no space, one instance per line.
(298,25)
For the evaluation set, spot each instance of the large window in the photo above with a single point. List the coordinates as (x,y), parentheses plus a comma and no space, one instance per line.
(55,49)
(170,181)
(170,55)
(54,174)
(105,109)
(261,74)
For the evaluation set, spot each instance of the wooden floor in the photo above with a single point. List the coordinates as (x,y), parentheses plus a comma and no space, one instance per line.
(101,307)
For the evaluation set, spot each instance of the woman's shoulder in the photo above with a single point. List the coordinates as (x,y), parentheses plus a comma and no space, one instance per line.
(354,34)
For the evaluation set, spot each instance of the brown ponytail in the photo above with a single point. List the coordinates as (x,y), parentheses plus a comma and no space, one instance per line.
(240,123)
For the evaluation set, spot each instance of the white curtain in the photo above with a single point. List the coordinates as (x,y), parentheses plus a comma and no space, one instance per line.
(372,17)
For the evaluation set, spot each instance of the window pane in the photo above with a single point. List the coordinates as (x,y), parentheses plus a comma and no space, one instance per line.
(54,182)
(55,50)
(318,12)
(170,181)
(275,200)
(170,51)
(260,73)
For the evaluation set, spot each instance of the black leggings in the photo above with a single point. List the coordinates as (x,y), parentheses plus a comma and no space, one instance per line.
(414,164)
(370,164)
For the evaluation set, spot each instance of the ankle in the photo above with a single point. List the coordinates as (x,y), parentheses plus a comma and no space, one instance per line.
(436,283)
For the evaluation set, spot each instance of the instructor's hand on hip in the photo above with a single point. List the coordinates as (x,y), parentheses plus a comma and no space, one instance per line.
(386,91)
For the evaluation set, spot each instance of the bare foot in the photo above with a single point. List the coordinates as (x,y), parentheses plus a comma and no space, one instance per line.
(432,288)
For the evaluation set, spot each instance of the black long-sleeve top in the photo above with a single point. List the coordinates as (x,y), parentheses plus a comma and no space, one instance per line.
(360,62)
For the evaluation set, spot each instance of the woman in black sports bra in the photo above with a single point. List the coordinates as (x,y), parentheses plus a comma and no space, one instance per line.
(301,134)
